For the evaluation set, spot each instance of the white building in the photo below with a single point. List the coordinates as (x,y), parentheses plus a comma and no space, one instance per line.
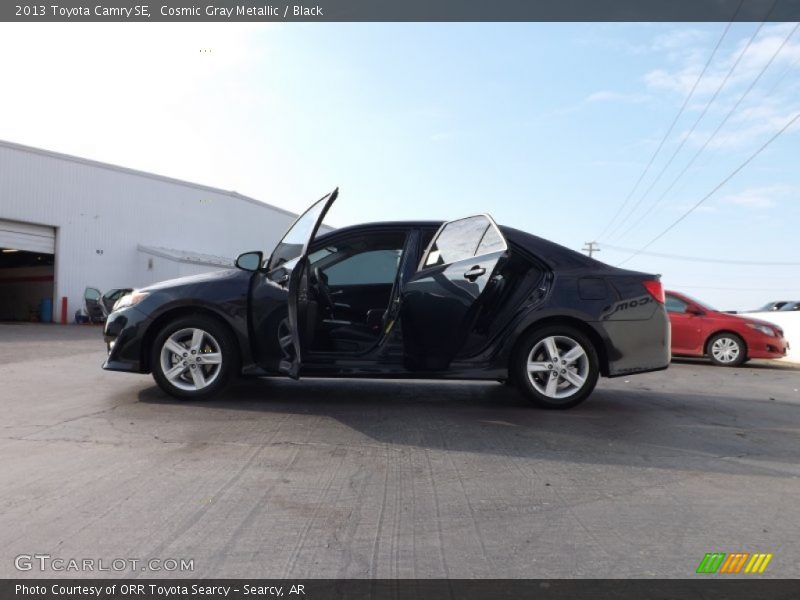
(67,223)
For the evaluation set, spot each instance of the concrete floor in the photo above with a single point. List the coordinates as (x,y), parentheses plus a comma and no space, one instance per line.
(323,478)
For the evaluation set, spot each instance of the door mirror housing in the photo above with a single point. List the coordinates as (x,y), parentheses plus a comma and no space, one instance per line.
(694,311)
(250,261)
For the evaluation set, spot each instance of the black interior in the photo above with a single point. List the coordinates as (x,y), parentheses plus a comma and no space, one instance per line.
(93,309)
(353,293)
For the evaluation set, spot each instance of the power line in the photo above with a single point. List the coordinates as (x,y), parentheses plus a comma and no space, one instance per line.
(783,75)
(719,127)
(689,134)
(672,125)
(716,188)
(721,261)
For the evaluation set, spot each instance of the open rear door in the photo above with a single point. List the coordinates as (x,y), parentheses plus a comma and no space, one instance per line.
(291,254)
(441,300)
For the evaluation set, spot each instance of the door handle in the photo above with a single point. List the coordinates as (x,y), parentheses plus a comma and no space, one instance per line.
(474,273)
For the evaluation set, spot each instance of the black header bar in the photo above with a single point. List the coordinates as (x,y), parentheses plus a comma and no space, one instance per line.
(400,10)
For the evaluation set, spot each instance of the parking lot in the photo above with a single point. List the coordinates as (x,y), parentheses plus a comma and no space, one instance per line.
(330,478)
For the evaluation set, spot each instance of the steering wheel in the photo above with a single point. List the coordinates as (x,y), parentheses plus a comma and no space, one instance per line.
(323,292)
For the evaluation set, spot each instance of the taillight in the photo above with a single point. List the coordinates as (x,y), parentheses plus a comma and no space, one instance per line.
(655,289)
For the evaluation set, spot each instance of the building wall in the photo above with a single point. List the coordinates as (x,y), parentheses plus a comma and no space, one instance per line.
(158,268)
(103,212)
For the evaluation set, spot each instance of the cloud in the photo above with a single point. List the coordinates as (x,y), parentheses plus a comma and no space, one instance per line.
(678,39)
(682,78)
(602,96)
(749,125)
(759,197)
(765,109)
(610,96)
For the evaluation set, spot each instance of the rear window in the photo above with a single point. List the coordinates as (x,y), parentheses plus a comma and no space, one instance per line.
(463,239)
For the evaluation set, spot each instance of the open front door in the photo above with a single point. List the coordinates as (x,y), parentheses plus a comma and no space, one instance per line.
(441,300)
(291,256)
(92,306)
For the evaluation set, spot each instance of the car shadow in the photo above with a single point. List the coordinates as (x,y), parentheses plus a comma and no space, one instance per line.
(751,364)
(622,427)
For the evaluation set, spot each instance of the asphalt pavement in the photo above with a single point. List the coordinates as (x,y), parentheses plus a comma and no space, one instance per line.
(396,479)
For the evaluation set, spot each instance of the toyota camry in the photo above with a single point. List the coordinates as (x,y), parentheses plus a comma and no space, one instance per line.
(465,299)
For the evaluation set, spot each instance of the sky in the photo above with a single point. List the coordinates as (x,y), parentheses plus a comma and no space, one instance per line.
(546,126)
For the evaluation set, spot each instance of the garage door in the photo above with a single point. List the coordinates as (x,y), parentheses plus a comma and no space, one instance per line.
(28,237)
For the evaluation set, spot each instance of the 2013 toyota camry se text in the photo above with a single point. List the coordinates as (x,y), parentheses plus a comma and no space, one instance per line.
(466,299)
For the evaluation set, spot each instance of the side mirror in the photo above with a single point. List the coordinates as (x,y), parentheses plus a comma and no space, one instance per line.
(250,261)
(693,310)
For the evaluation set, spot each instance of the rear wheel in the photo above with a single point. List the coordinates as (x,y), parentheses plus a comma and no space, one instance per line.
(727,350)
(556,367)
(193,357)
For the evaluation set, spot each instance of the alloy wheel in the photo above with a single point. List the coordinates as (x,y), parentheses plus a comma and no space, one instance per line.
(191,359)
(557,366)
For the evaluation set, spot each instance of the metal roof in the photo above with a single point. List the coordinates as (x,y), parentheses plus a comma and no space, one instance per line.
(186,256)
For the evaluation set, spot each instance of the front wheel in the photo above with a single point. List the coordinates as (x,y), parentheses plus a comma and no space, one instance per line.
(556,367)
(727,350)
(193,357)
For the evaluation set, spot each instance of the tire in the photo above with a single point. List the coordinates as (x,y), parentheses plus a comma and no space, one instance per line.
(727,350)
(193,357)
(536,349)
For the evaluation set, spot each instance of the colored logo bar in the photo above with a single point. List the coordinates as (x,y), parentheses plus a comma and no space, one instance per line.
(736,562)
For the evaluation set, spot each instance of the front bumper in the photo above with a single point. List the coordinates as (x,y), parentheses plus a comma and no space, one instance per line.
(764,346)
(123,334)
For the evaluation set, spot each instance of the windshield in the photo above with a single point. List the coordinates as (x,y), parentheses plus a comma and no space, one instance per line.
(293,243)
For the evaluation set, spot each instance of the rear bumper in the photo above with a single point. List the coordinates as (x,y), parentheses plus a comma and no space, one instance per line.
(637,346)
(123,334)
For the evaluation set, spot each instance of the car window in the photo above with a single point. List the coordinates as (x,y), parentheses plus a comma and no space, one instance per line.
(365,268)
(318,255)
(702,305)
(113,295)
(294,240)
(492,242)
(675,305)
(462,239)
(360,259)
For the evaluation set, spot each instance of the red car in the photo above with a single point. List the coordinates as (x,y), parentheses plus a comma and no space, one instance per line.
(728,340)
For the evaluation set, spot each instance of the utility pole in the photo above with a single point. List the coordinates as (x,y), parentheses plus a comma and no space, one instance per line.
(590,248)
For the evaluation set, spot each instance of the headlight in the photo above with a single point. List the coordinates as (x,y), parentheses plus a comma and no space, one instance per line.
(131,299)
(762,328)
